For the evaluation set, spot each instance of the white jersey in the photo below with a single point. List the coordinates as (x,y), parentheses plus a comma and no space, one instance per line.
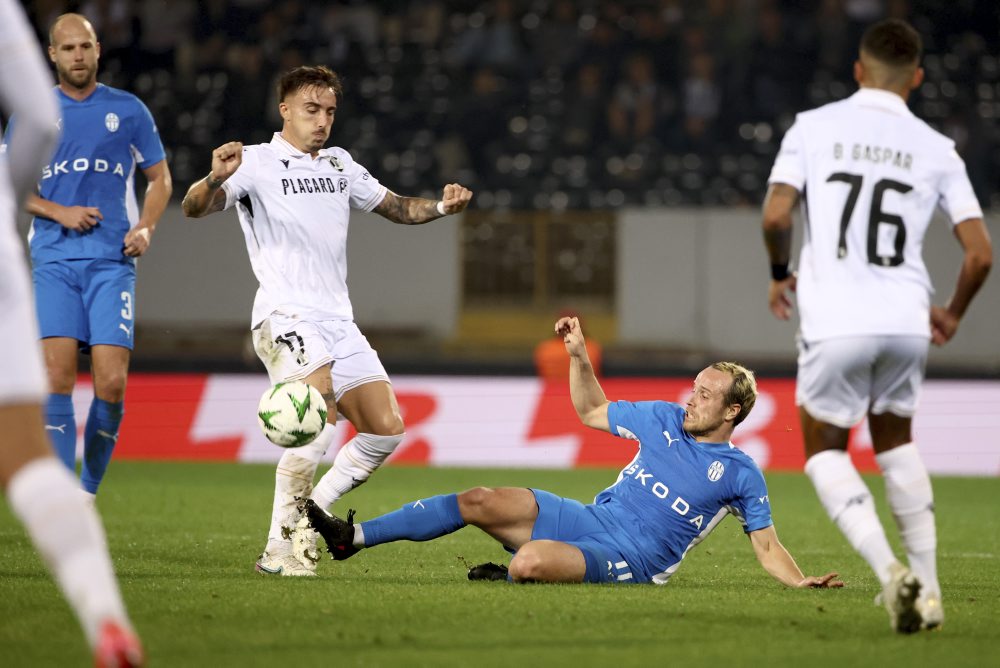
(25,92)
(871,174)
(294,210)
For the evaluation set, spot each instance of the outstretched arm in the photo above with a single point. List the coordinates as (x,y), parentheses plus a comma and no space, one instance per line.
(417,210)
(778,206)
(588,398)
(776,560)
(206,195)
(975,240)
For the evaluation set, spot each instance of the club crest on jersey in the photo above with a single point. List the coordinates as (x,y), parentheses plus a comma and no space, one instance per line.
(716,470)
(335,162)
(111,122)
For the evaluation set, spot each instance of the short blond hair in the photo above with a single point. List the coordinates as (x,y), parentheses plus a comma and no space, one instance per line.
(742,391)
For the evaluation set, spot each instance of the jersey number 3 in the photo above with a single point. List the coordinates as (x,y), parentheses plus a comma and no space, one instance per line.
(876,217)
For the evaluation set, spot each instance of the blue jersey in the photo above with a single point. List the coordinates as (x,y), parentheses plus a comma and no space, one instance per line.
(104,137)
(676,490)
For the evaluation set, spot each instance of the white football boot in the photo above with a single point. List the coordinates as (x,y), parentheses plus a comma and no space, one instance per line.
(931,612)
(900,599)
(283,563)
(304,544)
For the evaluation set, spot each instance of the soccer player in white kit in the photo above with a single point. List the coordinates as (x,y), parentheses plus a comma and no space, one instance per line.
(42,493)
(294,199)
(871,175)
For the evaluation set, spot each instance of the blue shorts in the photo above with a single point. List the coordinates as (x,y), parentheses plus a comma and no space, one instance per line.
(569,521)
(92,301)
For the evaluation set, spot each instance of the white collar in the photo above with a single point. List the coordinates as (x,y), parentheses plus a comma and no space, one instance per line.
(882,99)
(282,144)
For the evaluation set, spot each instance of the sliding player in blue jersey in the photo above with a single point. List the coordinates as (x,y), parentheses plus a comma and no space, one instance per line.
(685,479)
(84,239)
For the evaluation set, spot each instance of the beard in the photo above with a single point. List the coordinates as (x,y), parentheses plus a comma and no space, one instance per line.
(79,79)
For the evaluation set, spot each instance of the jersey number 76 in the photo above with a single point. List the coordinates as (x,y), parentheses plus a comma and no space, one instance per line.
(876,216)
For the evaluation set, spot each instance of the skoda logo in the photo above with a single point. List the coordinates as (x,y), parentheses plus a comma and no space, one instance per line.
(111,122)
(716,470)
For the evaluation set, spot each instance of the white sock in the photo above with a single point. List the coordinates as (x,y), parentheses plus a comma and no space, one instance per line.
(359,536)
(293,480)
(908,489)
(357,460)
(69,536)
(849,504)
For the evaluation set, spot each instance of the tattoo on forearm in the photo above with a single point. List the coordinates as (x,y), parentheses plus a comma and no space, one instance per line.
(407,210)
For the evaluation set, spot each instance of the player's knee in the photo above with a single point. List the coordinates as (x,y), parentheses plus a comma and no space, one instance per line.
(474,504)
(61,379)
(528,565)
(111,386)
(387,424)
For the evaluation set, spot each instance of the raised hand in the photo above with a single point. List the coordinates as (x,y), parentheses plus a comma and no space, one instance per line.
(226,160)
(455,198)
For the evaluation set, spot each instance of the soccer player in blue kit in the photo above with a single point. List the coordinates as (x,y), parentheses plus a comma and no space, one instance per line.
(86,233)
(684,480)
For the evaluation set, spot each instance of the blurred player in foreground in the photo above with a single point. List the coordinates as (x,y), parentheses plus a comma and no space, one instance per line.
(874,174)
(85,236)
(685,479)
(42,494)
(294,200)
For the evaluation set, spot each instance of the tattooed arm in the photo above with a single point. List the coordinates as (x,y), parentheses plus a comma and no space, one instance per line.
(417,210)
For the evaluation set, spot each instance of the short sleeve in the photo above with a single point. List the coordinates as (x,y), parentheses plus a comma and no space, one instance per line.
(146,142)
(627,419)
(958,199)
(752,506)
(366,192)
(790,164)
(241,182)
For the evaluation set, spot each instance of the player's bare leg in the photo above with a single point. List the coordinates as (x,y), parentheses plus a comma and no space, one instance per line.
(109,365)
(374,412)
(911,498)
(507,514)
(66,532)
(287,553)
(849,504)
(61,355)
(548,561)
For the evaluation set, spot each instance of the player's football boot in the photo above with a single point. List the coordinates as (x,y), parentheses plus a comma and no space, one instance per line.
(283,564)
(900,599)
(117,647)
(304,539)
(338,534)
(931,612)
(488,571)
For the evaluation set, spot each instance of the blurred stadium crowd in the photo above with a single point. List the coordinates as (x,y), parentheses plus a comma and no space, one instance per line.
(543,104)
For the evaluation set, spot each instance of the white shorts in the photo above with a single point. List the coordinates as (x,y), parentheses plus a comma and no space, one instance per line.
(840,380)
(292,349)
(22,374)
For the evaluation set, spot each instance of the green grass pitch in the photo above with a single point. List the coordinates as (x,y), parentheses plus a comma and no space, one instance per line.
(185,536)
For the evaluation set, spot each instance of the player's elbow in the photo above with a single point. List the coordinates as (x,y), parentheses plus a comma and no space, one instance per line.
(980,261)
(189,208)
(775,220)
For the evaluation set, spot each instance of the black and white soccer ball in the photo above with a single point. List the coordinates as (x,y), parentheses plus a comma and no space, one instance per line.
(291,414)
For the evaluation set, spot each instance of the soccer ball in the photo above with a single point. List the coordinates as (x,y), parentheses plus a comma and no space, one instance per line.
(291,414)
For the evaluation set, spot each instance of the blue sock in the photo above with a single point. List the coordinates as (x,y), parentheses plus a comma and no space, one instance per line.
(425,519)
(60,426)
(99,436)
